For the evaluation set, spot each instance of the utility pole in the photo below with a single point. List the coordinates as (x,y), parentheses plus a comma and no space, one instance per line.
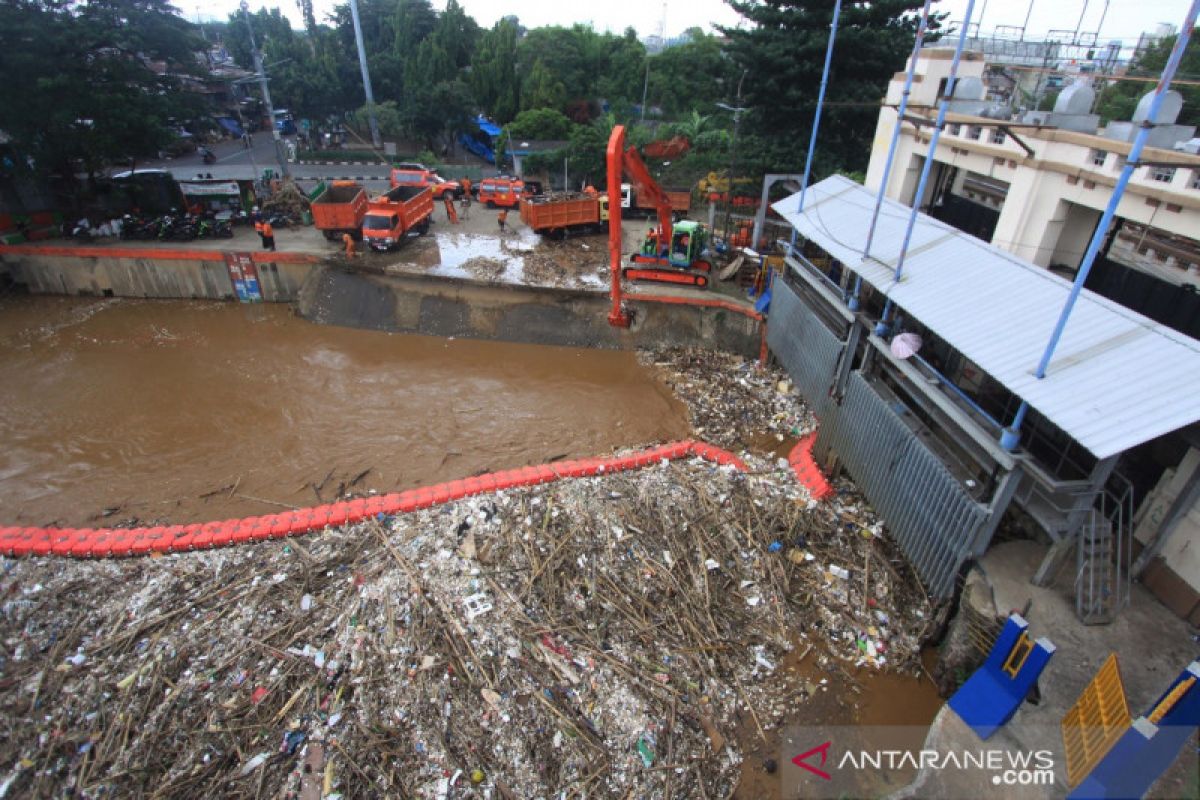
(737,123)
(376,142)
(266,93)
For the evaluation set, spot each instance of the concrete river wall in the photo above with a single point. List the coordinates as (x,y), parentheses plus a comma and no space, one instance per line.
(401,303)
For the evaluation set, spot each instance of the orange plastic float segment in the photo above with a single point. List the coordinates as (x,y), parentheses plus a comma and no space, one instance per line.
(97,543)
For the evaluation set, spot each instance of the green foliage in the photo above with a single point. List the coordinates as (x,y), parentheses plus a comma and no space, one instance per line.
(540,123)
(586,152)
(387,115)
(782,53)
(585,63)
(494,74)
(690,76)
(426,157)
(79,85)
(543,89)
(1119,100)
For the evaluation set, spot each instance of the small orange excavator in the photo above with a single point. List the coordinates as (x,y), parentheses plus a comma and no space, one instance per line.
(674,251)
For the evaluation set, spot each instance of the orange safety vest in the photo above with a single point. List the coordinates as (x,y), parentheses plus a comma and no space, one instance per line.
(258,227)
(267,230)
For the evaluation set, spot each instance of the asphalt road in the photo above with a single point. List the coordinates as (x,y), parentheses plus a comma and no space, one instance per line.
(236,162)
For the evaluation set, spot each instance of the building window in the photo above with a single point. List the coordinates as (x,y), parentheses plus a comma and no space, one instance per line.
(1099,157)
(997,137)
(974,132)
(1162,174)
(1089,184)
(1195,182)
(955,129)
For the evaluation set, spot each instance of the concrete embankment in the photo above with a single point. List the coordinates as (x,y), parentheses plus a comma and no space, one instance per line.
(402,303)
(439,306)
(164,273)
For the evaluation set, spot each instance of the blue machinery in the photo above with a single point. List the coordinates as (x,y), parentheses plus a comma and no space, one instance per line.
(996,690)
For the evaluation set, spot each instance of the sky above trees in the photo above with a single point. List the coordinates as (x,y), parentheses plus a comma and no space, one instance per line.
(1125,19)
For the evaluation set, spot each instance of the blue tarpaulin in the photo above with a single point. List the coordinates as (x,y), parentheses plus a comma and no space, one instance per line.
(230,124)
(487,126)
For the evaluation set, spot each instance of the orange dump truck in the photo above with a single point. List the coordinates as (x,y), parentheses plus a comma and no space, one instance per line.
(681,202)
(392,216)
(557,214)
(339,209)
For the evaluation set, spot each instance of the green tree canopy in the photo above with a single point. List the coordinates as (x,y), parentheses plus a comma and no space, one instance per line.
(94,82)
(691,76)
(541,123)
(494,72)
(1119,100)
(782,54)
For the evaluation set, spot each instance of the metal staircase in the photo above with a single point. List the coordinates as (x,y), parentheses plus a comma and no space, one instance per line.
(1103,554)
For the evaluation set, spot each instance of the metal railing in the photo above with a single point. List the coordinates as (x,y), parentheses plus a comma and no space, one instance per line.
(1104,554)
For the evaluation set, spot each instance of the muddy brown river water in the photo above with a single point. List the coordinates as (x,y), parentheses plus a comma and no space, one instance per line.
(190,411)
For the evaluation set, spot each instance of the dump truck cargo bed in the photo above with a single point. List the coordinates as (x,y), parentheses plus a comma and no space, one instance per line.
(560,211)
(340,209)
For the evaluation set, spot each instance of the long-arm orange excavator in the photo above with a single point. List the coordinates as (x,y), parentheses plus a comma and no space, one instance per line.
(674,256)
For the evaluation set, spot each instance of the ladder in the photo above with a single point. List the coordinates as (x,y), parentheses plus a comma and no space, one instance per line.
(1104,554)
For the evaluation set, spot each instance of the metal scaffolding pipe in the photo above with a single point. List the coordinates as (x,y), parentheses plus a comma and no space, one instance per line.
(1012,435)
(812,141)
(951,82)
(922,25)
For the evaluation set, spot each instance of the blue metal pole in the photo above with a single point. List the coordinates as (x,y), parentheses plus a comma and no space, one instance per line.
(922,25)
(812,142)
(882,327)
(1012,434)
(908,82)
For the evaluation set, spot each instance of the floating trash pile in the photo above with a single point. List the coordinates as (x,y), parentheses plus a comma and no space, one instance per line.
(601,637)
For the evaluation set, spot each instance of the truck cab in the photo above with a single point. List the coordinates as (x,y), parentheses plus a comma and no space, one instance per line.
(503,191)
(416,175)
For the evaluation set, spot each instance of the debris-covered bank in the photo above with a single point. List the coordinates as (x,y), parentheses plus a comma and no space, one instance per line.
(598,637)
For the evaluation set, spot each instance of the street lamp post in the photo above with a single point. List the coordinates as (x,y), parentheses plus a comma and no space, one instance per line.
(266,92)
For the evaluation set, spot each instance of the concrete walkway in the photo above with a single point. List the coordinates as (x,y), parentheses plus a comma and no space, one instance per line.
(1151,643)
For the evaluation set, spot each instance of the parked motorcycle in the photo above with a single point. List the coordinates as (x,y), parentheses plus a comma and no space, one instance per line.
(208,156)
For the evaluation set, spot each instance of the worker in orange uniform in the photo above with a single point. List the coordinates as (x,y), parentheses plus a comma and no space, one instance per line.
(502,218)
(348,241)
(451,214)
(590,190)
(268,236)
(258,228)
(465,183)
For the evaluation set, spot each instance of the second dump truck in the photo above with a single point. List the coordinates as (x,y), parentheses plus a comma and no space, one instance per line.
(339,208)
(392,216)
(558,214)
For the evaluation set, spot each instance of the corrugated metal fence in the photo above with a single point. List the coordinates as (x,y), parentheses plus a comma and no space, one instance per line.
(927,511)
(807,349)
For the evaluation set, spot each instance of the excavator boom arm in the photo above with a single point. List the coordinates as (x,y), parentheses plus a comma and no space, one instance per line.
(647,187)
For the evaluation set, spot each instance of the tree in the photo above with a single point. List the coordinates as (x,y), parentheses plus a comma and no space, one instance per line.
(540,123)
(691,75)
(782,53)
(95,82)
(494,73)
(543,89)
(1119,100)
(621,79)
